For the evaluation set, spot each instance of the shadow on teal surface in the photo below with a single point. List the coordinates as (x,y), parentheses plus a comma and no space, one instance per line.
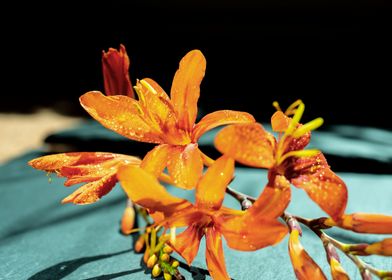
(63,269)
(29,223)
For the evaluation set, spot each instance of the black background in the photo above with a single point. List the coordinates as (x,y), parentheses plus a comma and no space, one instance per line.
(335,55)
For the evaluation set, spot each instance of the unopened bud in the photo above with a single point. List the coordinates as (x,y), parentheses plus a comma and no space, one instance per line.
(364,223)
(128,220)
(167,276)
(165,257)
(167,249)
(146,255)
(152,261)
(383,248)
(175,264)
(139,244)
(156,270)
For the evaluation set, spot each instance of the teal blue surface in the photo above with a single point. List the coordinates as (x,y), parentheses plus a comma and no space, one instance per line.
(42,239)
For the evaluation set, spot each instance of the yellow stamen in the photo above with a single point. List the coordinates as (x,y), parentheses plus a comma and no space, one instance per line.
(301,153)
(296,118)
(148,86)
(276,106)
(292,108)
(312,125)
(173,235)
(206,159)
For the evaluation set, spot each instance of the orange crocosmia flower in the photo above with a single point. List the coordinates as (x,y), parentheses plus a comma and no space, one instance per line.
(252,145)
(115,68)
(304,266)
(243,230)
(156,118)
(97,170)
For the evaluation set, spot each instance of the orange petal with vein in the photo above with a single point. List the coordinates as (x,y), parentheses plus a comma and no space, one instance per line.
(93,191)
(121,114)
(185,165)
(214,255)
(187,243)
(249,144)
(249,232)
(219,118)
(115,68)
(273,200)
(96,169)
(304,266)
(211,188)
(323,186)
(144,189)
(185,89)
(156,160)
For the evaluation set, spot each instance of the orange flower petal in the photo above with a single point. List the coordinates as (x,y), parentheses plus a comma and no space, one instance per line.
(156,160)
(145,190)
(304,266)
(93,191)
(96,169)
(185,89)
(280,122)
(187,243)
(115,68)
(214,255)
(121,114)
(219,118)
(211,188)
(313,175)
(156,103)
(249,144)
(249,232)
(185,165)
(273,200)
(364,223)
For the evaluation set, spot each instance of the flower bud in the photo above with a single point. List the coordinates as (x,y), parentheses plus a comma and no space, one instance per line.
(128,220)
(152,260)
(165,257)
(364,223)
(167,276)
(175,264)
(139,244)
(167,249)
(156,270)
(383,248)
(337,270)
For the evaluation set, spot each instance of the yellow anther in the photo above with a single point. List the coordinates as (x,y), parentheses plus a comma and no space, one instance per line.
(276,106)
(152,260)
(156,270)
(312,125)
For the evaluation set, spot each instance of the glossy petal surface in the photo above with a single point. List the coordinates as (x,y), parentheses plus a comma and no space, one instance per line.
(185,89)
(249,144)
(214,255)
